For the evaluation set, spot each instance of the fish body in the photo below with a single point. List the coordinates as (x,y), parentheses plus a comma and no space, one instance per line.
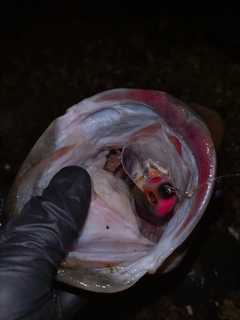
(117,246)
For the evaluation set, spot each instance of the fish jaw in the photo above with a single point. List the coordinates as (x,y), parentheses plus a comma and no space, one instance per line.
(84,136)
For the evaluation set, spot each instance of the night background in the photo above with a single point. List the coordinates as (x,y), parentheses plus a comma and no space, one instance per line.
(54,55)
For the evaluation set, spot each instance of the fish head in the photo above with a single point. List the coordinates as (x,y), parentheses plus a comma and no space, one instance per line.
(129,231)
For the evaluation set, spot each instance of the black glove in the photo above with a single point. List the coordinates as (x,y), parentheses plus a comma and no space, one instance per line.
(33,243)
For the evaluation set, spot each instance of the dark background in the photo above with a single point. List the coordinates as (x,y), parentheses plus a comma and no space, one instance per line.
(53,55)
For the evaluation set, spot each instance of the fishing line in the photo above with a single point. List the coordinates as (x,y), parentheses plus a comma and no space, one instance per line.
(191,192)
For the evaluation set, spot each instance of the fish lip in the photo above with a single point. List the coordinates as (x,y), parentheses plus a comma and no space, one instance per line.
(186,123)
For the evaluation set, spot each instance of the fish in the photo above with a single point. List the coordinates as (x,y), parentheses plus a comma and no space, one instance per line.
(167,153)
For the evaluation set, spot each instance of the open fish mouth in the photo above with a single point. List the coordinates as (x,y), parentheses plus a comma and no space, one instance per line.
(124,236)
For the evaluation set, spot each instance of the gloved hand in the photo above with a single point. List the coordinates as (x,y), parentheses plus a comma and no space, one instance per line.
(33,243)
